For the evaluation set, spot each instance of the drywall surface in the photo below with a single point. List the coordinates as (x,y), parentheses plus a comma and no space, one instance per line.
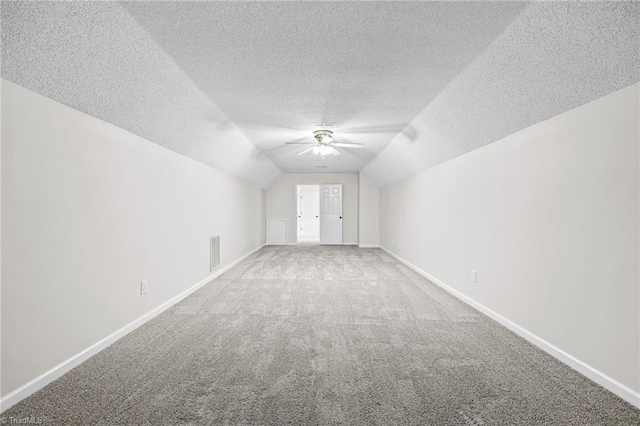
(554,56)
(548,217)
(88,211)
(281,201)
(95,57)
(368,212)
(1,393)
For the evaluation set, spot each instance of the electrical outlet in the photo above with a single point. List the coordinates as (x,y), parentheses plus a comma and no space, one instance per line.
(144,287)
(474,276)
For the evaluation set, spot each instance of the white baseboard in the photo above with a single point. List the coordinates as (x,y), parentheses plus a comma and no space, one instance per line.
(595,375)
(304,243)
(368,246)
(49,376)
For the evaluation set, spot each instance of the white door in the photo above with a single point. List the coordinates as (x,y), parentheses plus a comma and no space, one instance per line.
(308,211)
(331,214)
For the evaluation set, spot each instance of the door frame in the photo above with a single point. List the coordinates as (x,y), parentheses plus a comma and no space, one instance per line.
(295,206)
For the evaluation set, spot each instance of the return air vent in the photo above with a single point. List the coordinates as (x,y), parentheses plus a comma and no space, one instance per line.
(214,250)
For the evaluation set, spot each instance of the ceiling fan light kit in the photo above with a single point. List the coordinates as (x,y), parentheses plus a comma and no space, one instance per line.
(323,136)
(325,145)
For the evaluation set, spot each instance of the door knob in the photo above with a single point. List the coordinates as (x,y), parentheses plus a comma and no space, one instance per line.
(340,217)
(316,216)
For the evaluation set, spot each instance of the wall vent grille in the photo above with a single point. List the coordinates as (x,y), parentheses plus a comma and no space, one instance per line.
(214,245)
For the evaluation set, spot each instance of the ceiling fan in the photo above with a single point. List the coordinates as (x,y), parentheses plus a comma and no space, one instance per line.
(324,144)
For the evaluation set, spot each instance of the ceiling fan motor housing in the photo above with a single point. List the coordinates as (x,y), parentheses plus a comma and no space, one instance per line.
(323,136)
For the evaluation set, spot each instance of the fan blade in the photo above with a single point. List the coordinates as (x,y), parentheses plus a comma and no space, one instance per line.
(383,128)
(305,151)
(299,142)
(348,145)
(334,151)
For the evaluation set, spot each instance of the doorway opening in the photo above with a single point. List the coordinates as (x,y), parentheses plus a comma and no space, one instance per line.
(319,212)
(308,204)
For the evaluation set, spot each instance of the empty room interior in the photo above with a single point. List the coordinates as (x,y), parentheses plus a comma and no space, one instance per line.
(320,213)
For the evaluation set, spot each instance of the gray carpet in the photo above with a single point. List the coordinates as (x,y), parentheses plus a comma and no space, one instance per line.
(323,336)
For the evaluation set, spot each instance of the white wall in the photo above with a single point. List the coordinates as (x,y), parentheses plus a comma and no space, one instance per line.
(1,221)
(368,212)
(281,201)
(89,210)
(549,218)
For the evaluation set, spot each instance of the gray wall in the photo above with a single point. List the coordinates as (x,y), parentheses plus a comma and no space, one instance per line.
(281,201)
(368,212)
(548,217)
(88,211)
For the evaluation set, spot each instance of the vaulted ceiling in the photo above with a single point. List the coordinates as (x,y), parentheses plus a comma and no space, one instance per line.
(227,83)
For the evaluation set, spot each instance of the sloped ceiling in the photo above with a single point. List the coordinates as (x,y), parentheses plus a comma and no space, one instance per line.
(553,57)
(226,83)
(94,57)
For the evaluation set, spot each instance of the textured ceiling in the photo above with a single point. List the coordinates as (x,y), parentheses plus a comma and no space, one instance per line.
(94,57)
(553,57)
(276,68)
(227,83)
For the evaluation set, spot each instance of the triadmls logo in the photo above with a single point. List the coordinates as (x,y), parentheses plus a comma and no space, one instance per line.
(27,420)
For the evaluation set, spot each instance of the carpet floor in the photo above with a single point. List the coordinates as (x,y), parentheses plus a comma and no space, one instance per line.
(323,336)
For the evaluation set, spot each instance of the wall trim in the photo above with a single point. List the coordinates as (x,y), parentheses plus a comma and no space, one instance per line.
(621,390)
(49,376)
(369,245)
(318,244)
